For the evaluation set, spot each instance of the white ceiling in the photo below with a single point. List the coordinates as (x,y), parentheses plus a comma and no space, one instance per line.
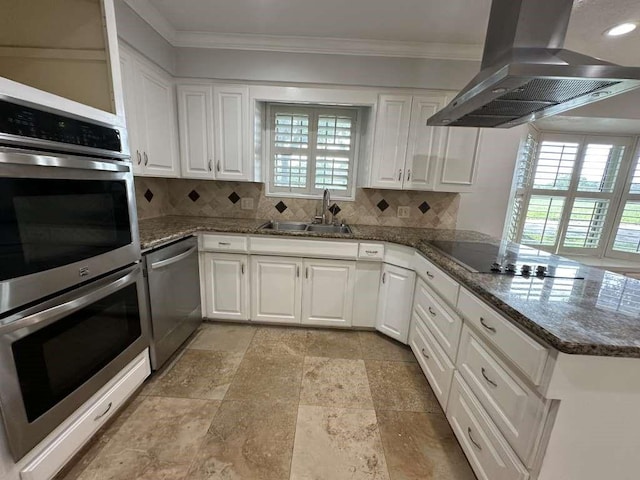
(425,22)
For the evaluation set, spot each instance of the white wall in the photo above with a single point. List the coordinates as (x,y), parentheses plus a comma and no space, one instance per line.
(320,68)
(485,209)
(140,35)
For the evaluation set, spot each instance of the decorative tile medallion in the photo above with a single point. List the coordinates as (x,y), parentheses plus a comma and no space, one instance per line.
(193,195)
(148,195)
(281,207)
(334,209)
(382,205)
(424,207)
(234,197)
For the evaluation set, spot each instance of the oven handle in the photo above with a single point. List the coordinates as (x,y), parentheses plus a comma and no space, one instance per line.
(177,258)
(49,315)
(16,157)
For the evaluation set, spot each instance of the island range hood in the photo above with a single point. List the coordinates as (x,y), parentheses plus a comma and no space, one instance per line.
(526,74)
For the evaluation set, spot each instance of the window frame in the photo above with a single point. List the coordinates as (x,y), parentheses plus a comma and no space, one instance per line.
(524,193)
(313,110)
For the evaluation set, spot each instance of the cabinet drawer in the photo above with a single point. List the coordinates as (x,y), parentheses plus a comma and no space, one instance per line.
(517,411)
(294,247)
(487,451)
(224,243)
(443,323)
(528,355)
(437,280)
(371,251)
(432,359)
(63,445)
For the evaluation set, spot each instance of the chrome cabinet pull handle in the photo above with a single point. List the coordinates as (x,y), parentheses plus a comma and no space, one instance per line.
(242,268)
(429,274)
(104,413)
(297,270)
(146,159)
(218,166)
(210,166)
(371,252)
(475,444)
(489,381)
(306,272)
(399,174)
(224,244)
(488,327)
(139,157)
(384,276)
(433,314)
(409,175)
(424,354)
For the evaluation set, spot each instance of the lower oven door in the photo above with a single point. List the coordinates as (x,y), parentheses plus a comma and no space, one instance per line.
(55,356)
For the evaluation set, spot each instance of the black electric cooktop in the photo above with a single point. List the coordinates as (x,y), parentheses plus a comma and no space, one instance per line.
(480,257)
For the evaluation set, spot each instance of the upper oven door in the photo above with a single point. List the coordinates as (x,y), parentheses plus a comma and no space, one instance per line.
(63,220)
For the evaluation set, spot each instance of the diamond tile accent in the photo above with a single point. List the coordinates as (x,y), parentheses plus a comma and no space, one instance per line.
(424,207)
(148,195)
(281,207)
(334,209)
(193,195)
(382,205)
(234,197)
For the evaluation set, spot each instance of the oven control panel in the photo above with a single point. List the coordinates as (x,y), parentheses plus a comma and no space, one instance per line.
(30,122)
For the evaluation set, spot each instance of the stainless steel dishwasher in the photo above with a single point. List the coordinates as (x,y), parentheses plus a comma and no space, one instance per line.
(173,281)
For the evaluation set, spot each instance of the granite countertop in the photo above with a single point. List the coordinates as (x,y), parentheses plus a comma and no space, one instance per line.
(596,315)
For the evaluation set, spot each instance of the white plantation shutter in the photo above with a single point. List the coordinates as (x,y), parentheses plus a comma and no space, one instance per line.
(565,204)
(524,170)
(626,241)
(312,149)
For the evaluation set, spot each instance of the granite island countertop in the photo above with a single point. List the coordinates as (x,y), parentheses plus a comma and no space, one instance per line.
(598,314)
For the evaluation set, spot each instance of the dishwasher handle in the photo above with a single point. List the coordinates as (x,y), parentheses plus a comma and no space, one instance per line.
(177,258)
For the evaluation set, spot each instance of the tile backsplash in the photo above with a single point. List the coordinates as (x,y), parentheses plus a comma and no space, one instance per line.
(208,198)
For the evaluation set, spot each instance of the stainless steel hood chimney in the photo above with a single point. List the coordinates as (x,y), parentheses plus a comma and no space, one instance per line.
(526,73)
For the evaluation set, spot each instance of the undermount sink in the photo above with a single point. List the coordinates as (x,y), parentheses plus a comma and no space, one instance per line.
(306,227)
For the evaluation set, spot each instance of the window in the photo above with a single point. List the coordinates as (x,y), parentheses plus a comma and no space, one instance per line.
(568,196)
(312,149)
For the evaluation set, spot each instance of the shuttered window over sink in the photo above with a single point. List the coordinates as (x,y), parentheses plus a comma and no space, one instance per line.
(312,148)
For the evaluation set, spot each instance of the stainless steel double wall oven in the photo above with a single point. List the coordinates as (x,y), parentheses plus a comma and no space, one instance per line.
(70,276)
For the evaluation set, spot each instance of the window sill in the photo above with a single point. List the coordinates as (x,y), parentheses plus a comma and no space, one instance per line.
(302,196)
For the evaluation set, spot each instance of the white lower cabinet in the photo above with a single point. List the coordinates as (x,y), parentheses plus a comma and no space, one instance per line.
(327,294)
(276,289)
(395,301)
(488,452)
(226,286)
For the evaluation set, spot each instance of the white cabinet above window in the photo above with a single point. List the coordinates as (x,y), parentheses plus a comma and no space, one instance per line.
(409,155)
(215,138)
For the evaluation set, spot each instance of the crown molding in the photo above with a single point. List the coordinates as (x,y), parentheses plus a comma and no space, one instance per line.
(302,44)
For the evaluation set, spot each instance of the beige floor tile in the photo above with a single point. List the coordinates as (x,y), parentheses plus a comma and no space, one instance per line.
(227,337)
(198,374)
(263,377)
(279,341)
(90,451)
(376,346)
(247,440)
(337,444)
(421,446)
(400,386)
(158,441)
(335,382)
(333,343)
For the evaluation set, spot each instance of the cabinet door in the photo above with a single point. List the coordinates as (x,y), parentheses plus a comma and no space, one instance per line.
(276,289)
(327,294)
(226,286)
(156,122)
(459,165)
(424,148)
(394,302)
(127,70)
(231,117)
(390,141)
(195,122)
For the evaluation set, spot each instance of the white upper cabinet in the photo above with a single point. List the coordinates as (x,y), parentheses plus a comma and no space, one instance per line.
(232,132)
(151,117)
(409,155)
(195,120)
(215,133)
(390,141)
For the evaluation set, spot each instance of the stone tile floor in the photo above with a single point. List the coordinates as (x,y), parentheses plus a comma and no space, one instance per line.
(244,402)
